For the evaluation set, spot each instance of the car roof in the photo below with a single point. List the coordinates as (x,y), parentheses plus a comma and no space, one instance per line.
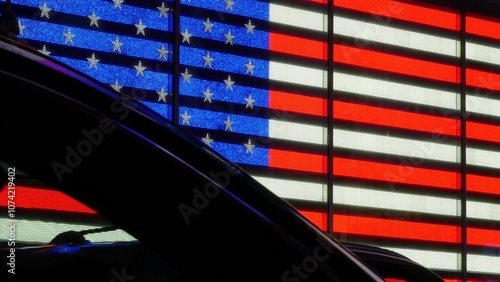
(98,180)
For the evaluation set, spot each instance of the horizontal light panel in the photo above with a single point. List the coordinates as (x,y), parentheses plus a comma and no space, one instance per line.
(297,161)
(374,31)
(385,10)
(432,259)
(483,184)
(483,131)
(417,150)
(482,26)
(34,231)
(296,17)
(290,189)
(483,158)
(362,57)
(483,106)
(396,118)
(480,210)
(365,86)
(296,132)
(482,53)
(290,103)
(354,196)
(297,74)
(396,229)
(483,237)
(483,264)
(482,79)
(298,46)
(36,198)
(403,173)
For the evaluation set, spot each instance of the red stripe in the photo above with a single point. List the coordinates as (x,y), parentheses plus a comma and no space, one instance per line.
(385,10)
(483,131)
(297,161)
(483,184)
(393,63)
(482,79)
(404,174)
(482,26)
(288,102)
(396,229)
(298,46)
(483,237)
(395,118)
(35,198)
(317,218)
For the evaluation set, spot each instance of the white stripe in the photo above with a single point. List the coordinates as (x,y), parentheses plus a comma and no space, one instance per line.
(483,106)
(483,158)
(418,151)
(431,259)
(297,132)
(290,189)
(296,74)
(483,264)
(367,32)
(297,17)
(36,232)
(395,91)
(481,210)
(354,196)
(482,53)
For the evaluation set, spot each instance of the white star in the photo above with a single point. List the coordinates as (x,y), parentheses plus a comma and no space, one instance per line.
(117,45)
(208,25)
(208,60)
(116,86)
(21,27)
(208,95)
(229,4)
(93,61)
(69,36)
(44,10)
(186,76)
(140,28)
(162,52)
(249,147)
(185,36)
(139,69)
(250,67)
(208,140)
(249,27)
(229,83)
(229,37)
(185,118)
(44,51)
(249,101)
(162,95)
(163,10)
(93,19)
(118,4)
(229,124)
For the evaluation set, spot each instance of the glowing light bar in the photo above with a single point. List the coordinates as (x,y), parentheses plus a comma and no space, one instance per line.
(297,74)
(296,132)
(365,86)
(483,157)
(488,211)
(355,196)
(291,189)
(395,146)
(367,31)
(296,17)
(432,259)
(34,231)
